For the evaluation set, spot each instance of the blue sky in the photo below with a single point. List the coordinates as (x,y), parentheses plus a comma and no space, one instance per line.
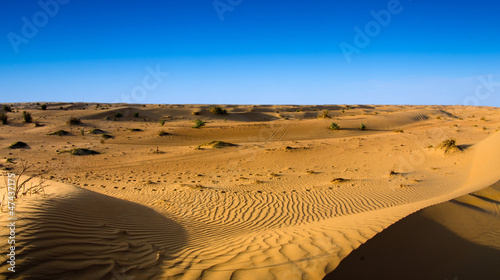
(251,51)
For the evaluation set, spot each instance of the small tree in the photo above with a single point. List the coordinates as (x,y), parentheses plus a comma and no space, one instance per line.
(27,117)
(44,107)
(7,108)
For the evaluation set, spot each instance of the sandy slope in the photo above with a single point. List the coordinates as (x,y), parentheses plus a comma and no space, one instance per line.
(264,209)
(424,245)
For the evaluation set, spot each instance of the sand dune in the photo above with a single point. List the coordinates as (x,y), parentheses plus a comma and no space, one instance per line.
(270,207)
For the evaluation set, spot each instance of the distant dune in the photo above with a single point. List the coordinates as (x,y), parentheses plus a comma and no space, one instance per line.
(255,192)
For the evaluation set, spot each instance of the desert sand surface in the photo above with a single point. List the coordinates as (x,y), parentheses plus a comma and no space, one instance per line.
(282,197)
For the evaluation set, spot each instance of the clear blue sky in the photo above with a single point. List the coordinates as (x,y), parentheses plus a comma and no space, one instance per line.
(251,51)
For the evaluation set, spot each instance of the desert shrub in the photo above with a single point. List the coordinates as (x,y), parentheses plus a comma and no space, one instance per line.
(217,144)
(18,145)
(324,115)
(20,185)
(118,115)
(7,108)
(162,122)
(334,126)
(81,152)
(44,107)
(27,117)
(362,126)
(136,114)
(59,133)
(3,118)
(196,113)
(74,121)
(218,110)
(97,131)
(135,129)
(398,131)
(106,136)
(198,123)
(449,146)
(483,119)
(162,133)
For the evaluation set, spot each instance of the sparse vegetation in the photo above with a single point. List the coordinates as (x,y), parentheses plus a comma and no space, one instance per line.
(449,146)
(324,115)
(136,114)
(483,118)
(339,180)
(59,133)
(217,144)
(162,122)
(7,108)
(27,117)
(198,123)
(19,145)
(362,126)
(74,121)
(218,110)
(80,152)
(20,186)
(162,133)
(44,107)
(334,126)
(398,131)
(196,113)
(97,131)
(3,118)
(118,115)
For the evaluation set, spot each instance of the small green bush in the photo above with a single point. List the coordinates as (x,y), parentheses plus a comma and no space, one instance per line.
(27,117)
(198,123)
(362,126)
(44,107)
(334,126)
(7,108)
(136,114)
(162,122)
(218,110)
(118,115)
